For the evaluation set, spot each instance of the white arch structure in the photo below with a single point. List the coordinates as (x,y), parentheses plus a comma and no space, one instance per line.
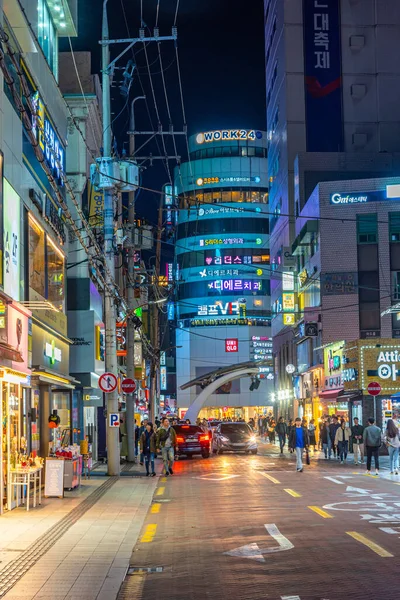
(201,399)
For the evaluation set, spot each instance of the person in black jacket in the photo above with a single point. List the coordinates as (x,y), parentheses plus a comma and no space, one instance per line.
(333,427)
(357,432)
(325,439)
(282,430)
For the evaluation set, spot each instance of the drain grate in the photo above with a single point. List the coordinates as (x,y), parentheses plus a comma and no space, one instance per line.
(17,568)
(142,570)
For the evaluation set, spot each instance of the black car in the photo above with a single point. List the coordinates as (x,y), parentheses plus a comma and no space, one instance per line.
(192,439)
(234,437)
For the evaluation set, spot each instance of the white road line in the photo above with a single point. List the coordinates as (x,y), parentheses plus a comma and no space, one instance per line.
(290,598)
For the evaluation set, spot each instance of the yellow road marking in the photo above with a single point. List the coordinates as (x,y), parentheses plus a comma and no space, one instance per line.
(160,491)
(149,534)
(320,512)
(292,493)
(155,508)
(163,479)
(374,547)
(269,477)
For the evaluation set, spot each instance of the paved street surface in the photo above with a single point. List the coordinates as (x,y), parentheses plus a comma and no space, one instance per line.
(251,527)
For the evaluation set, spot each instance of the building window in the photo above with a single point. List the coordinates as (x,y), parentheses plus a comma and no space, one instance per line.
(394,226)
(46,266)
(47,36)
(396,285)
(37,262)
(367,229)
(55,275)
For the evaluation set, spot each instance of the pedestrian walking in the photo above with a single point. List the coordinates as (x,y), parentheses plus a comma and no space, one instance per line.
(392,441)
(148,448)
(311,433)
(326,439)
(342,438)
(333,427)
(357,431)
(271,431)
(166,442)
(298,440)
(372,440)
(282,431)
(142,428)
(137,438)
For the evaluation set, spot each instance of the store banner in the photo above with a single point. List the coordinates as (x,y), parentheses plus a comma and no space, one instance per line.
(18,329)
(11,240)
(96,205)
(322,73)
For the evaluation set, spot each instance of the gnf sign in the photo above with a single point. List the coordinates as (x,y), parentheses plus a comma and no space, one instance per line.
(232,345)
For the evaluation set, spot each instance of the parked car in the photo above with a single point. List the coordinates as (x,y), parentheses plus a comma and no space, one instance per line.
(234,437)
(191,439)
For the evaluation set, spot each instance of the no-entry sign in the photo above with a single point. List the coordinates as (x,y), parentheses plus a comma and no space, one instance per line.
(108,383)
(374,388)
(128,385)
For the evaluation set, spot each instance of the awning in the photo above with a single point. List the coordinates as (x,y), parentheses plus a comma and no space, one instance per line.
(10,353)
(330,394)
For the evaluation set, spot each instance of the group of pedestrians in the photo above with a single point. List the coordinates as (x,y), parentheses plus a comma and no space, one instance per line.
(150,439)
(336,438)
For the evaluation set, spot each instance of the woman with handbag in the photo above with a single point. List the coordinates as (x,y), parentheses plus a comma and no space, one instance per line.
(392,441)
(342,438)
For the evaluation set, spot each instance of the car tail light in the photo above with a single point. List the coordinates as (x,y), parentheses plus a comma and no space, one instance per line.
(204,438)
(180,440)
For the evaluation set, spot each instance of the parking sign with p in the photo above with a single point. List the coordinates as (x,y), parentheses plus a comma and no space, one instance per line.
(113,420)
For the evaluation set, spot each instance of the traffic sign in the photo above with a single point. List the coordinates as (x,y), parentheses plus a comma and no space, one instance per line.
(113,420)
(108,382)
(374,388)
(128,385)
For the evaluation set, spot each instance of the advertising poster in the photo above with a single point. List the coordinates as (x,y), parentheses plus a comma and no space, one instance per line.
(323,76)
(11,241)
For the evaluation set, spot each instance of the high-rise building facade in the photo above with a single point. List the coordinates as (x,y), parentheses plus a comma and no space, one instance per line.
(329,67)
(223,271)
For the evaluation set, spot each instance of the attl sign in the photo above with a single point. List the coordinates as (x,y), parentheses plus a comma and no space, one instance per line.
(232,345)
(374,388)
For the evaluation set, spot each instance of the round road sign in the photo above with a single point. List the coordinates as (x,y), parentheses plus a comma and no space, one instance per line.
(128,386)
(108,382)
(374,388)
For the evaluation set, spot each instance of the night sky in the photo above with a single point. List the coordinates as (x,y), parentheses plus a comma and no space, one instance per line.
(221,51)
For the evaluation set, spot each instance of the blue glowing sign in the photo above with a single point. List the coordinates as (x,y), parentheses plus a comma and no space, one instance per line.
(48,139)
(236,285)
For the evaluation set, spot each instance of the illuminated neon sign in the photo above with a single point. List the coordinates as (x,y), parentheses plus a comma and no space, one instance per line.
(236,260)
(49,142)
(228,134)
(232,179)
(228,241)
(218,309)
(236,285)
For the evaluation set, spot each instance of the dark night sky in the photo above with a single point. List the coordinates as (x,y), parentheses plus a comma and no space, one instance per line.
(221,51)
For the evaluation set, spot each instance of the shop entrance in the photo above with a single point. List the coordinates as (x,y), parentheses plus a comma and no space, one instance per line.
(14,443)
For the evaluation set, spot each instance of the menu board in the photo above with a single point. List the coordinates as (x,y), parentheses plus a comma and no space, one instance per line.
(54,479)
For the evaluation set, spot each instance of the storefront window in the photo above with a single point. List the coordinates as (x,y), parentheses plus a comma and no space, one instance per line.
(62,403)
(11,438)
(55,275)
(37,263)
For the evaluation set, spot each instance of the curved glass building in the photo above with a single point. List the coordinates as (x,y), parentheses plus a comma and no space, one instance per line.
(223,268)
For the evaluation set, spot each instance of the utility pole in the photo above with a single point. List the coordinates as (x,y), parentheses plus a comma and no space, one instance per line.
(132,302)
(113,452)
(109,182)
(155,323)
